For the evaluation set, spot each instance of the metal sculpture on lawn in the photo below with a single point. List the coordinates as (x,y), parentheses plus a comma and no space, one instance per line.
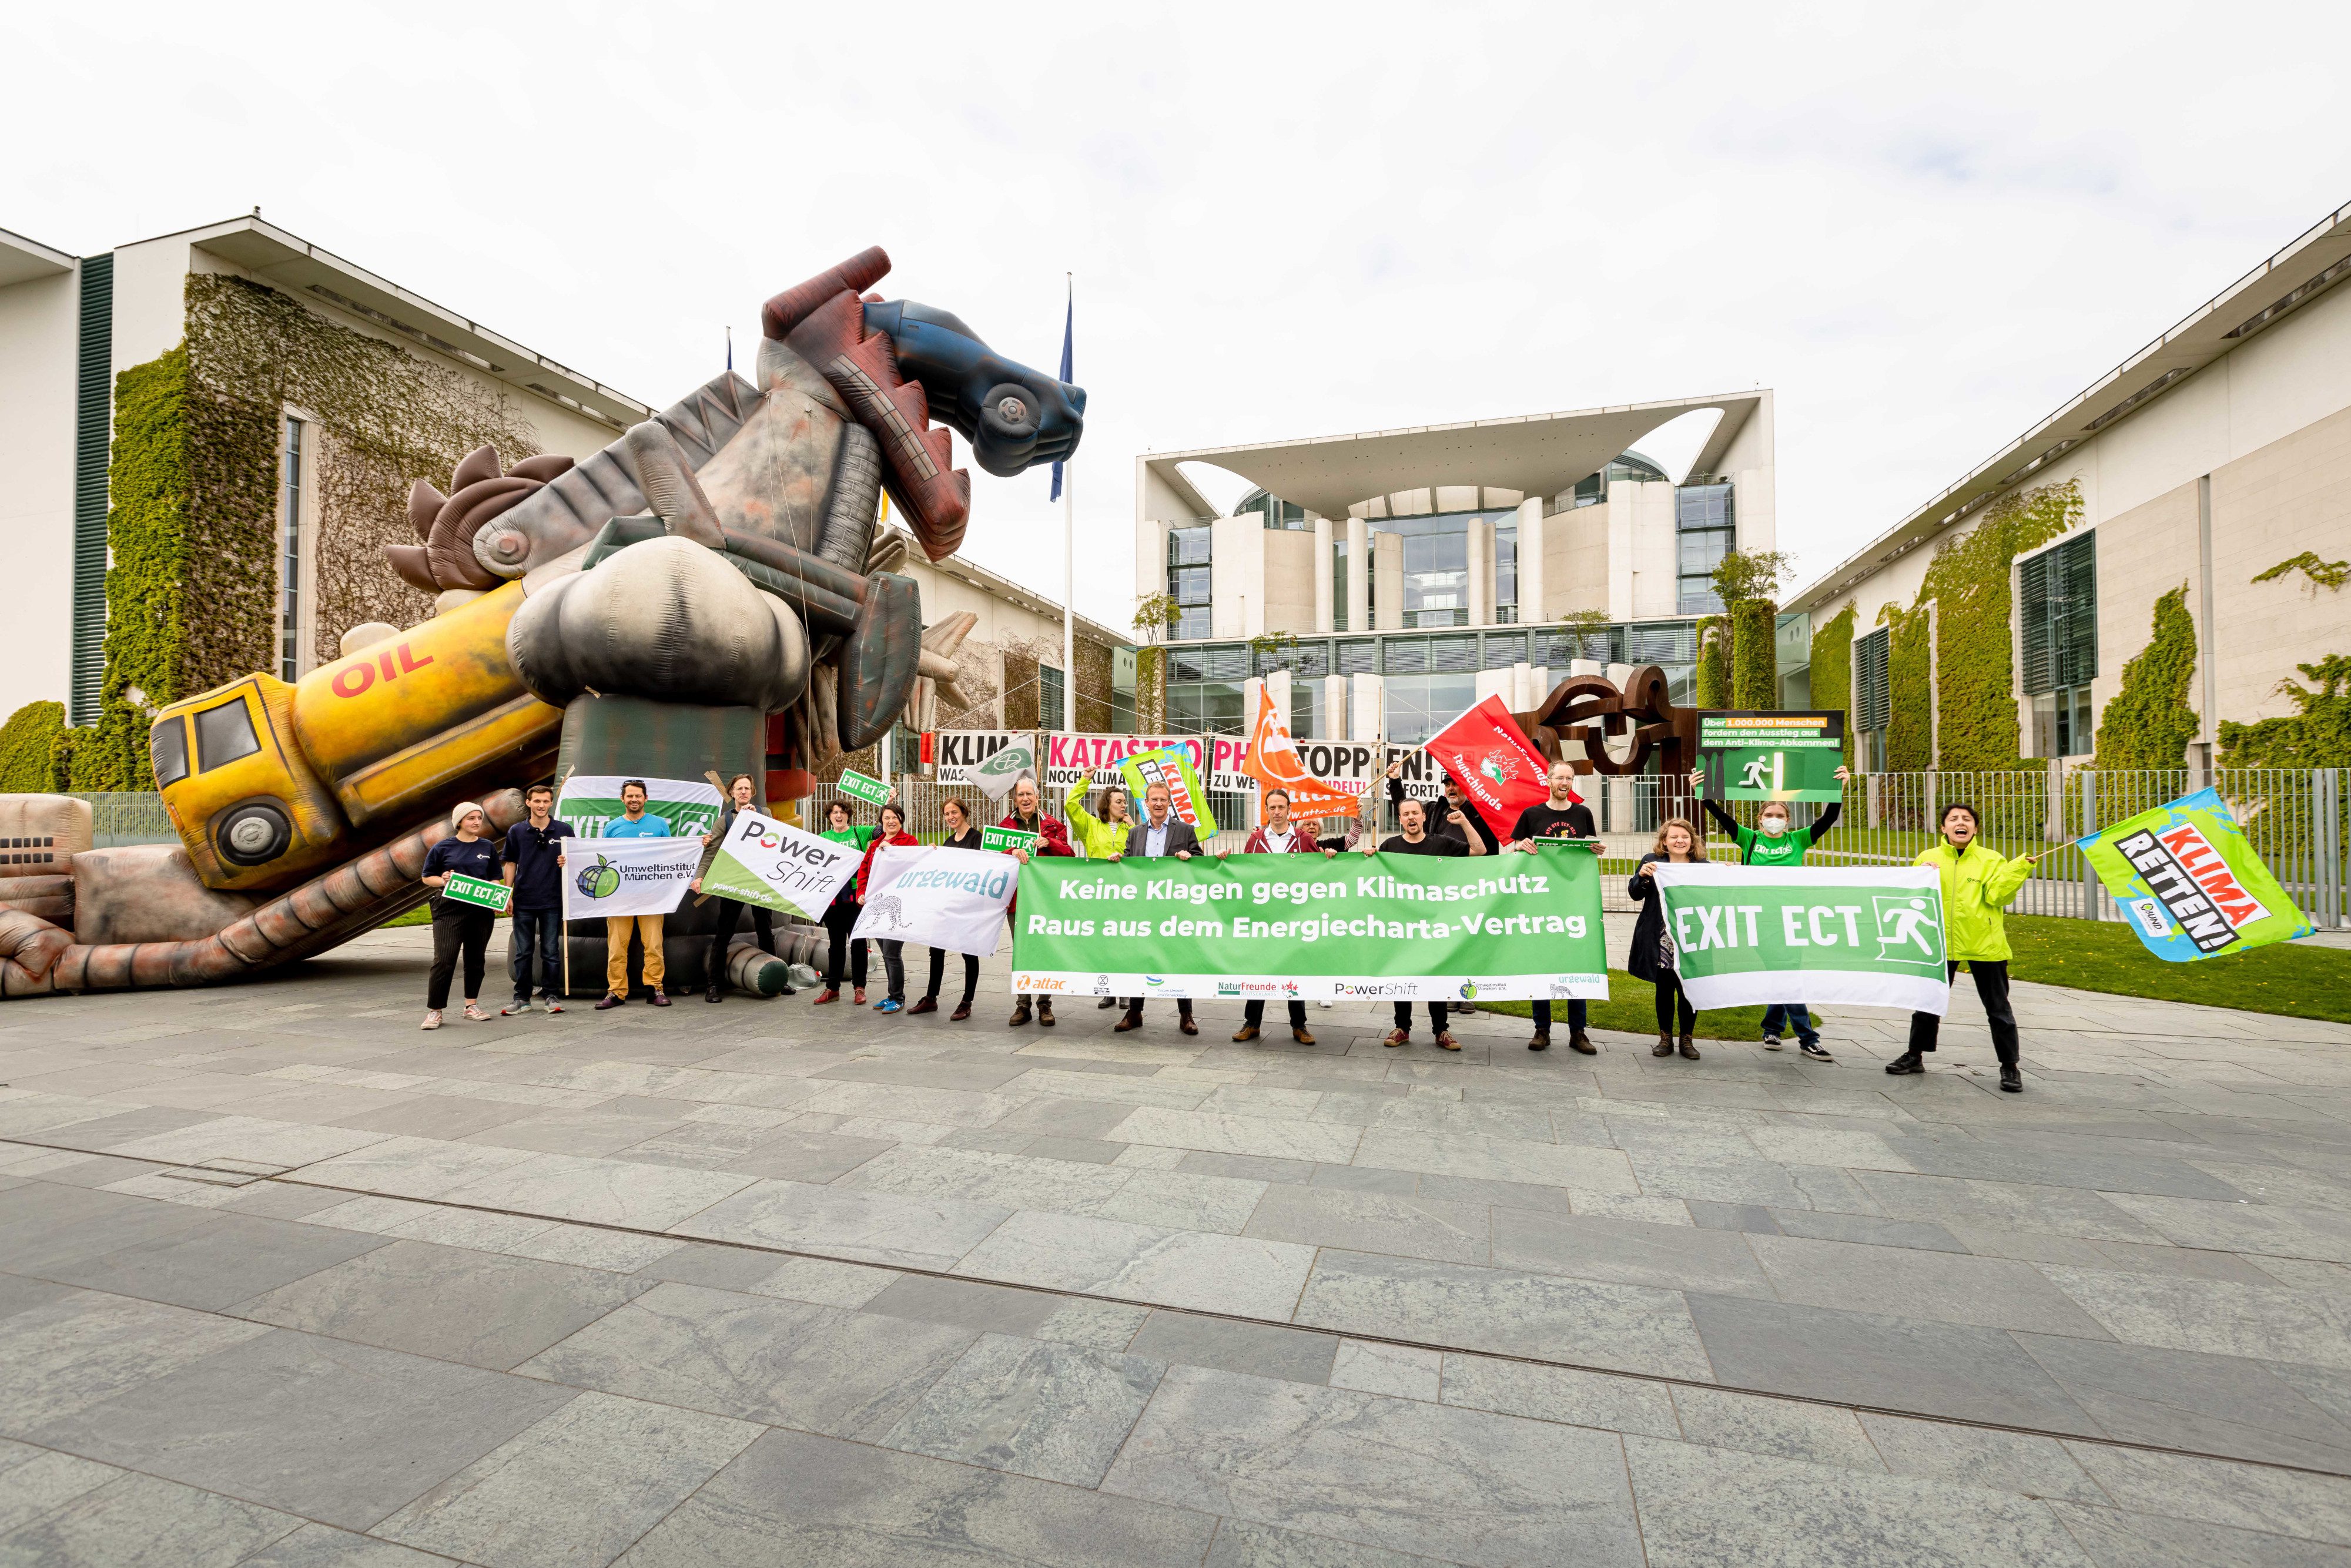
(709,595)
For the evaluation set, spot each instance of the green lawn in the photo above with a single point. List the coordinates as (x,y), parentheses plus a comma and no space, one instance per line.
(2297,979)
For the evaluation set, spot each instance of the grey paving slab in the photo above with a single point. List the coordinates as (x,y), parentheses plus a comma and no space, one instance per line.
(37,1482)
(2212,1315)
(848,1222)
(1359,1221)
(1628,1252)
(141,1522)
(1628,1328)
(84,1348)
(1824,1226)
(2236,1226)
(1143,1263)
(1560,1394)
(795,1154)
(222,1259)
(594,1131)
(1247,1168)
(1397,1474)
(1952,1370)
(412,1167)
(1406,1371)
(44,1226)
(1710,1506)
(792,1500)
(2115,1539)
(1264,1136)
(1057,1412)
(575,1490)
(1263,1350)
(1785,1428)
(337,1432)
(789,1364)
(975,1175)
(964,1303)
(599,1191)
(2213,1491)
(1497,1159)
(1911,1282)
(1243,1545)
(324,1546)
(2215,1404)
(483,1309)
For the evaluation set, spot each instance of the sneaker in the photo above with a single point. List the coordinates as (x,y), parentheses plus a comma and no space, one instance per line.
(857,996)
(1771,1042)
(824,995)
(608,1000)
(1397,1037)
(474,1013)
(511,1009)
(553,1005)
(1445,1040)
(890,1005)
(432,1019)
(1326,1004)
(1814,1050)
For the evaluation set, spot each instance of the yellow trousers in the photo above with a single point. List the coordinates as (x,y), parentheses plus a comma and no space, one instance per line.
(616,951)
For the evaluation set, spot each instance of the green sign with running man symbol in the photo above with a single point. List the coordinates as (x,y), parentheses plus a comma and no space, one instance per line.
(1748,934)
(1755,756)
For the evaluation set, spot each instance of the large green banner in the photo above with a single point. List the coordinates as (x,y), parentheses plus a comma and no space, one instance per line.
(1391,928)
(2190,884)
(1756,756)
(1747,935)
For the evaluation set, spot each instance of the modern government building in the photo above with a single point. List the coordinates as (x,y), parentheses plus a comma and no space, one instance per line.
(1383,581)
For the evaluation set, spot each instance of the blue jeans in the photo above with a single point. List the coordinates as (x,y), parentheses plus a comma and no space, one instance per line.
(1793,1015)
(539,932)
(1576,1014)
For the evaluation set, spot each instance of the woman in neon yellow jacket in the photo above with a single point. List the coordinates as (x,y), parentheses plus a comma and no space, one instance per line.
(1099,838)
(1978,884)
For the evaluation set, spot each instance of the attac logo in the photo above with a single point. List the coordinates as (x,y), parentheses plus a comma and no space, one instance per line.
(2193,882)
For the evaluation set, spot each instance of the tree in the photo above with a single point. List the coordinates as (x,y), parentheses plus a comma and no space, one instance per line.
(1742,576)
(1153,614)
(1748,581)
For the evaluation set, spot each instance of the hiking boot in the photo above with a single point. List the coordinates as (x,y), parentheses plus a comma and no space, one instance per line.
(1131,1020)
(1045,1011)
(1908,1061)
(1298,1032)
(1020,1014)
(1247,1033)
(1580,1043)
(1689,1047)
(1665,1046)
(1540,1041)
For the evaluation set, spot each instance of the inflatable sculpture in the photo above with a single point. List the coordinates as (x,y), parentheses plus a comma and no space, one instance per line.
(709,595)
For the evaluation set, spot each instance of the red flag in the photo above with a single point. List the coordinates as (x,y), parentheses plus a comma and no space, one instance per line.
(1497,766)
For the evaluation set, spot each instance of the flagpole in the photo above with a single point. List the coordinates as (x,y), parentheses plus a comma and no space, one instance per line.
(1069,556)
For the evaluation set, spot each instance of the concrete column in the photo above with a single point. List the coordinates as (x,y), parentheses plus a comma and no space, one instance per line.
(1388,567)
(1500,684)
(1531,561)
(1364,716)
(1277,687)
(1323,617)
(1481,573)
(1358,575)
(1334,708)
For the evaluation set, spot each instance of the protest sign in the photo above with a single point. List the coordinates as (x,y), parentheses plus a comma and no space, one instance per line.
(1095,759)
(2190,884)
(949,899)
(777,866)
(1272,760)
(989,760)
(459,888)
(858,787)
(1744,935)
(1382,927)
(628,876)
(1754,755)
(1171,768)
(1004,839)
(1501,772)
(1423,777)
(590,800)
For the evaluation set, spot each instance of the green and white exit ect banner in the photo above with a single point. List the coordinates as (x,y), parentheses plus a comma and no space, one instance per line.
(1387,927)
(1869,934)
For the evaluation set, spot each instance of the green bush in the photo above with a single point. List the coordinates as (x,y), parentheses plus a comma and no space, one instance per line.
(28,748)
(1910,694)
(1713,676)
(2149,723)
(1831,670)
(2317,734)
(1754,656)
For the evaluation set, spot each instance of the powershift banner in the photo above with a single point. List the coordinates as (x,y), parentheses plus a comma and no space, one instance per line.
(1388,928)
(949,899)
(590,800)
(2190,884)
(627,876)
(1744,935)
(777,866)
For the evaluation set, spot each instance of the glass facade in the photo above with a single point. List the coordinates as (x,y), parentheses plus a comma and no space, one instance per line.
(1706,529)
(1629,467)
(289,565)
(1339,581)
(1277,512)
(1188,581)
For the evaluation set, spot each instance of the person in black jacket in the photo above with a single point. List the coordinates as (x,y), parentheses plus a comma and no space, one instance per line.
(961,835)
(740,791)
(1562,816)
(1651,957)
(460,929)
(1416,840)
(1160,834)
(533,854)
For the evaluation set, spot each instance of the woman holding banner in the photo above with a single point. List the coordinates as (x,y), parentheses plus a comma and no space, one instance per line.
(739,793)
(1028,816)
(459,928)
(1100,836)
(1771,842)
(1978,884)
(961,835)
(894,954)
(1651,957)
(840,915)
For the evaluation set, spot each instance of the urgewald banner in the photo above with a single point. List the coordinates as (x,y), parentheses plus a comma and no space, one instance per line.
(1400,928)
(1871,934)
(2189,882)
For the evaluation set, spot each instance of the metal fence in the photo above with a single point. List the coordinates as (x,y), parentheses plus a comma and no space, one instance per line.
(129,817)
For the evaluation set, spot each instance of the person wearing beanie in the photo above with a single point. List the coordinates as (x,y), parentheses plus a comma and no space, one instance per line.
(460,929)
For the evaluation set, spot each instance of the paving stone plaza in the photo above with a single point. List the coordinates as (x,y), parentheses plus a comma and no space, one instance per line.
(284,1281)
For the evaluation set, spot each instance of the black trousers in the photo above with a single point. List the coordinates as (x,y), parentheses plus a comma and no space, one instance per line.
(939,971)
(763,923)
(1992,989)
(1673,1000)
(1435,1016)
(461,930)
(1254,1013)
(1135,1007)
(840,916)
(1576,1012)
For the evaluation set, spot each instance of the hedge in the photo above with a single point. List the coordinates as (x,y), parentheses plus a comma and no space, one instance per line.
(28,749)
(1911,696)
(1754,655)
(1831,670)
(2148,724)
(1713,663)
(2317,734)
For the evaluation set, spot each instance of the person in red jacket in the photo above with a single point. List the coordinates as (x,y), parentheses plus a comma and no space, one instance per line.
(1277,835)
(1028,815)
(894,954)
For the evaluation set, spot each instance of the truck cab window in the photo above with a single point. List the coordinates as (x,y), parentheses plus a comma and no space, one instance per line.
(223,733)
(168,746)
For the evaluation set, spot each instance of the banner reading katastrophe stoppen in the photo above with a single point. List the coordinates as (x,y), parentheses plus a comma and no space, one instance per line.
(1401,927)
(2190,884)
(1871,934)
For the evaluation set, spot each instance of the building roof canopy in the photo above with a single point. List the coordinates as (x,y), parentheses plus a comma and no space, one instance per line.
(22,259)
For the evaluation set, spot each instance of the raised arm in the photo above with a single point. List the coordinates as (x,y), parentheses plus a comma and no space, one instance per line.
(1827,819)
(1722,819)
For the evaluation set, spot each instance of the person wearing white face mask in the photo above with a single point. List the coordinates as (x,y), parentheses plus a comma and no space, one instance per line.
(1772,842)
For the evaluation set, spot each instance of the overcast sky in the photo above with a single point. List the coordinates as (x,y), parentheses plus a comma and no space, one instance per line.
(1924,227)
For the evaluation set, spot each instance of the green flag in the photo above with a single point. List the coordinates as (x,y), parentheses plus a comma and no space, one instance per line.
(1745,934)
(1187,798)
(2189,882)
(1386,927)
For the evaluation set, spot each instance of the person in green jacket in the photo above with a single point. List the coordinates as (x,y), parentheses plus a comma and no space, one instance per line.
(1771,842)
(1978,884)
(1099,838)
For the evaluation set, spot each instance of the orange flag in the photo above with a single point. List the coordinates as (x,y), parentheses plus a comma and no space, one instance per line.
(1272,760)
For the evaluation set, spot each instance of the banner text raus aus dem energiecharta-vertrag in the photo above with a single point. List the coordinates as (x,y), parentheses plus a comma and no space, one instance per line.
(1407,927)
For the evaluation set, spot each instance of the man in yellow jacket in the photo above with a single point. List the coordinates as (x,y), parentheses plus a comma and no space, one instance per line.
(1978,884)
